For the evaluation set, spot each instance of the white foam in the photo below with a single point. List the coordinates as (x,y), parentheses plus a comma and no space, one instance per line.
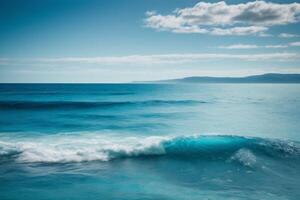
(80,147)
(75,148)
(245,157)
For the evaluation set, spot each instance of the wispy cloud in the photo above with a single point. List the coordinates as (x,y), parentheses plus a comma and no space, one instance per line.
(275,46)
(153,59)
(224,19)
(248,30)
(239,46)
(251,46)
(288,35)
(295,44)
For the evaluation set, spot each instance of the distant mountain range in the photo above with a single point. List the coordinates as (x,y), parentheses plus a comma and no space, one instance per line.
(264,78)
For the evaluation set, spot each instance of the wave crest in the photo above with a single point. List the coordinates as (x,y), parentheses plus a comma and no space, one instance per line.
(93,147)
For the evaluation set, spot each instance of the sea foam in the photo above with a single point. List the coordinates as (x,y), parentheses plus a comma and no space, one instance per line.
(95,147)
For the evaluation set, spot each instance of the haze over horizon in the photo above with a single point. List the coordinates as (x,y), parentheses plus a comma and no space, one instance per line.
(123,41)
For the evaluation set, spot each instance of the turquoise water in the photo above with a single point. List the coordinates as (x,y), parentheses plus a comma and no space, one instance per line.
(149,141)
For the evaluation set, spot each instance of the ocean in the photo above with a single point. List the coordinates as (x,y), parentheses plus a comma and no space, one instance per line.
(149,141)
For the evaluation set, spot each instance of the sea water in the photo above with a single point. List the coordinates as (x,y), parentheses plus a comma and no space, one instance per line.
(149,141)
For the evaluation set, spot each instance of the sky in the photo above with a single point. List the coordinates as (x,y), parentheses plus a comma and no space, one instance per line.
(139,40)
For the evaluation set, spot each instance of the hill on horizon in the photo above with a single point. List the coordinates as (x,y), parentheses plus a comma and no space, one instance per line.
(263,78)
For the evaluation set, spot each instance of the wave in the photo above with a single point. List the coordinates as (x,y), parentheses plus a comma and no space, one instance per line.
(32,105)
(92,147)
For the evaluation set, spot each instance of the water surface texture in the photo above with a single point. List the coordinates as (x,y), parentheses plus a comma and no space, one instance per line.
(149,141)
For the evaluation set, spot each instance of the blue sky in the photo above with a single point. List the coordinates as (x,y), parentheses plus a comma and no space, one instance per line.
(123,41)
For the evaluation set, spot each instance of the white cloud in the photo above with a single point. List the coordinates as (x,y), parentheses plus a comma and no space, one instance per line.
(224,19)
(287,35)
(276,46)
(151,12)
(295,44)
(252,46)
(152,60)
(239,46)
(249,30)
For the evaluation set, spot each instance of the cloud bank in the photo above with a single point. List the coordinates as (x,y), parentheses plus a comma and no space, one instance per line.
(252,18)
(152,60)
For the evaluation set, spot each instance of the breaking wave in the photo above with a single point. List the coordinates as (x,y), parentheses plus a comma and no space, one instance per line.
(92,147)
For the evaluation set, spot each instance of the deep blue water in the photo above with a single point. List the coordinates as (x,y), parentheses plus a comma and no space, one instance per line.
(149,141)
